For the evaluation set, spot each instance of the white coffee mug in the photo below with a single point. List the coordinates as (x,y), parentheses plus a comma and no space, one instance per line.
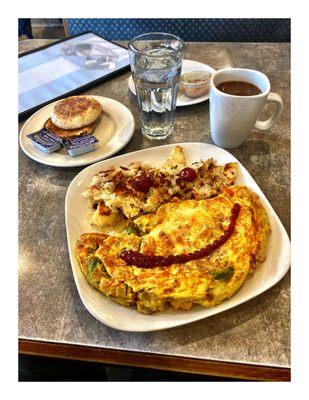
(232,117)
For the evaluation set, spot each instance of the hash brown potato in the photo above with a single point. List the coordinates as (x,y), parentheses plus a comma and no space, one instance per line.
(180,227)
(112,195)
(76,112)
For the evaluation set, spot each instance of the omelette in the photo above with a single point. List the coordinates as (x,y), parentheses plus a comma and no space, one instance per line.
(189,252)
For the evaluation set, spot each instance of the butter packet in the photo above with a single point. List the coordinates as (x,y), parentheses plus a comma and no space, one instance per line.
(45,141)
(80,145)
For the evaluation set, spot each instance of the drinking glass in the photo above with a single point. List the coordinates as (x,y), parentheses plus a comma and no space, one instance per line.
(156,60)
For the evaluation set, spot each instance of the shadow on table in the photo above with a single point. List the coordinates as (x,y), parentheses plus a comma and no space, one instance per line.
(42,369)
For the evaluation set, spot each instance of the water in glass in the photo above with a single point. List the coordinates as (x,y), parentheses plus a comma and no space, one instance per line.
(156,74)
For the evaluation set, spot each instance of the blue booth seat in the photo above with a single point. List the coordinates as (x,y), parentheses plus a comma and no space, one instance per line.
(189,29)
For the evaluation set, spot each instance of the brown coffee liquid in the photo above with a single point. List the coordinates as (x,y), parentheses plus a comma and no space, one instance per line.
(238,88)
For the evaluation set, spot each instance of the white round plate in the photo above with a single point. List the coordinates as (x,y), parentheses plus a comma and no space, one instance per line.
(187,66)
(113,131)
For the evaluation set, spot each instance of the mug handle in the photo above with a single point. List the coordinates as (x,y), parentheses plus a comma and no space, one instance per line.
(269,123)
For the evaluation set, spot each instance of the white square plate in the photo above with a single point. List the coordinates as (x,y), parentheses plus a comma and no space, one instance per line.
(128,319)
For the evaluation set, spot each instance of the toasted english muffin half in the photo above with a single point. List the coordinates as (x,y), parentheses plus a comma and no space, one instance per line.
(69,133)
(76,112)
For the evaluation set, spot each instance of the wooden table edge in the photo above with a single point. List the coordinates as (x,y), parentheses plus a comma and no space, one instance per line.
(154,361)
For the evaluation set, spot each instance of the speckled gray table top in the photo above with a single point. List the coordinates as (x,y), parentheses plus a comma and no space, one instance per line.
(50,309)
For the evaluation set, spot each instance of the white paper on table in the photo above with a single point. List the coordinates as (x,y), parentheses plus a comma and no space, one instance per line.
(66,66)
(45,73)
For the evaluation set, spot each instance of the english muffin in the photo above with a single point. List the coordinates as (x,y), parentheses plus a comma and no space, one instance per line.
(69,133)
(76,112)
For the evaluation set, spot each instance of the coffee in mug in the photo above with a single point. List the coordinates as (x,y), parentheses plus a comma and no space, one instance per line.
(237,97)
(239,88)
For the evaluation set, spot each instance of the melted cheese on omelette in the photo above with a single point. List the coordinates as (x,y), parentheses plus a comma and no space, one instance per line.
(180,227)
